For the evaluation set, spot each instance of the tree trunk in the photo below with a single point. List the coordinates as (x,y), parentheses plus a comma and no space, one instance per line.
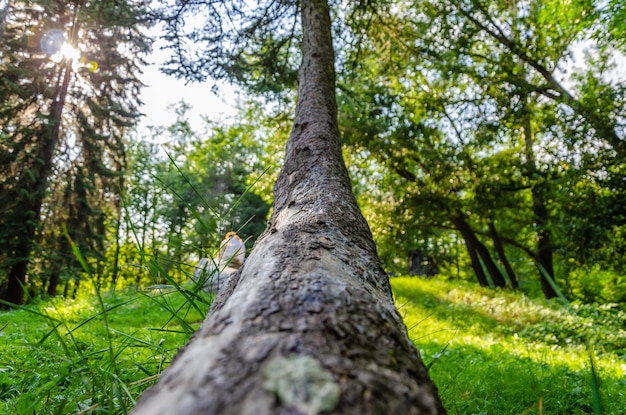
(14,293)
(497,244)
(540,213)
(55,277)
(422,264)
(490,264)
(308,324)
(66,287)
(544,241)
(481,277)
(76,286)
(473,243)
(37,189)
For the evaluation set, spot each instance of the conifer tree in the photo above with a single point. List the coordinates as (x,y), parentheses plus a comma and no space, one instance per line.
(69,88)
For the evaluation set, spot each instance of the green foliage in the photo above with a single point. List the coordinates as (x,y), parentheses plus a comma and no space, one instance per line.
(501,353)
(256,46)
(593,223)
(182,197)
(593,285)
(174,205)
(485,111)
(613,15)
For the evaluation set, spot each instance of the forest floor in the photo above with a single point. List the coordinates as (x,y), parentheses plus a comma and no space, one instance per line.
(488,351)
(500,352)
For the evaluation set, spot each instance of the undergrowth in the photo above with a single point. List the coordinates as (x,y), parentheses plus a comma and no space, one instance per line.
(86,356)
(489,352)
(498,352)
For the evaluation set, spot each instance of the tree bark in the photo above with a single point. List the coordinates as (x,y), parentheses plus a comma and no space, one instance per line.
(55,277)
(544,242)
(14,293)
(308,324)
(499,247)
(481,277)
(540,212)
(37,190)
(473,243)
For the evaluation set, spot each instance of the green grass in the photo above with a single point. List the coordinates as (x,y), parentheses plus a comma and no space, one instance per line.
(72,356)
(489,352)
(495,352)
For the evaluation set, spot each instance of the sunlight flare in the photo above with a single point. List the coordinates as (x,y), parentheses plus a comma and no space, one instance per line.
(54,43)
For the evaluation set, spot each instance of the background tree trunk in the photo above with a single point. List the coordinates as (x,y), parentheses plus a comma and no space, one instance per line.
(308,324)
(481,277)
(55,277)
(37,189)
(497,244)
(14,293)
(540,212)
(473,243)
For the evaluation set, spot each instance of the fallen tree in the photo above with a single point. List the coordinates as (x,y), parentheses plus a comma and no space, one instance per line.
(308,324)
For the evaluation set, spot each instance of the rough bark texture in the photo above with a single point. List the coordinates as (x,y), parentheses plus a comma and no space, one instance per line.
(308,324)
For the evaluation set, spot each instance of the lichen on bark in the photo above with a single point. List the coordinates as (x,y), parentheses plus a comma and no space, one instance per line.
(302,383)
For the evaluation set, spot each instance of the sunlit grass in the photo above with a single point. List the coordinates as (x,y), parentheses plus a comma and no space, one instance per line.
(494,352)
(56,357)
(489,352)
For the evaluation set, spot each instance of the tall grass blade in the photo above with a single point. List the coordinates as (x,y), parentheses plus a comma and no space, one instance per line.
(553,284)
(595,385)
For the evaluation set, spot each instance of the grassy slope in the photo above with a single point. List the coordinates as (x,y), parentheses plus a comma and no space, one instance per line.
(491,352)
(495,352)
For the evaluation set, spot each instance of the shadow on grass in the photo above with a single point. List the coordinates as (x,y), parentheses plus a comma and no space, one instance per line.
(477,381)
(509,313)
(501,353)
